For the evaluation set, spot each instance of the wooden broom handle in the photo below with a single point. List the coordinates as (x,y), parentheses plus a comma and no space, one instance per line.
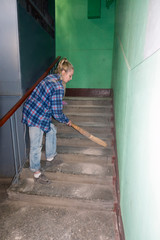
(88,135)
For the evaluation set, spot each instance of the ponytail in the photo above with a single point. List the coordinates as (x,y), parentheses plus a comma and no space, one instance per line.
(65,65)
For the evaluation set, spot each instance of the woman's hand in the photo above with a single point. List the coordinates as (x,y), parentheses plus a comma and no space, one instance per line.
(69,123)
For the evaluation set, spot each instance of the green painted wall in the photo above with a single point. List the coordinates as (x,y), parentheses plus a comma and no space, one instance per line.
(136,85)
(87,43)
(94,8)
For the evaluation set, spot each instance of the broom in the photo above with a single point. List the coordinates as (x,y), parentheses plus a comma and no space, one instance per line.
(88,135)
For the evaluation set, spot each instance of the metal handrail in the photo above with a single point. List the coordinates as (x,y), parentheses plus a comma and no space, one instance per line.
(19,103)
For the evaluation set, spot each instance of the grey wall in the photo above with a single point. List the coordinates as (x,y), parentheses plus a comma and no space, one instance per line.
(26,51)
(37,48)
(10,82)
(9,49)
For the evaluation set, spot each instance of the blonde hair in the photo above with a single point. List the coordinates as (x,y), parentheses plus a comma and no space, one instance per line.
(65,65)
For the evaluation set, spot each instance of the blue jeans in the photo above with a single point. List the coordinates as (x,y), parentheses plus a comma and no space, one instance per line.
(36,136)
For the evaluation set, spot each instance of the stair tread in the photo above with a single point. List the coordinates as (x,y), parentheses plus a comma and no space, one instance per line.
(79,157)
(83,169)
(85,124)
(95,194)
(66,132)
(91,121)
(99,169)
(70,177)
(97,151)
(90,116)
(90,128)
(90,112)
(88,101)
(71,140)
(87,98)
(89,106)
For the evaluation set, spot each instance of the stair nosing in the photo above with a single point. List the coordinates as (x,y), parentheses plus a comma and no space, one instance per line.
(63,202)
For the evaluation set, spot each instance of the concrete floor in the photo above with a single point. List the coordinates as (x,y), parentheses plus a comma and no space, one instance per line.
(27,221)
(20,220)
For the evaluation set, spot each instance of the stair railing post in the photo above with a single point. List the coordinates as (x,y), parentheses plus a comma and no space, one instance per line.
(14,147)
(17,138)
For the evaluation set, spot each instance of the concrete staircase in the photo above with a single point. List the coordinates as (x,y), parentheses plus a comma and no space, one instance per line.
(82,178)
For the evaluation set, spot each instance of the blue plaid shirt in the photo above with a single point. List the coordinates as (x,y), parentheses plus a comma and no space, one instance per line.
(44,103)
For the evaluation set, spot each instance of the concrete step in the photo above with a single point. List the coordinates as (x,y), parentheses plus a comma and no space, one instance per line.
(68,176)
(93,117)
(88,120)
(68,194)
(77,168)
(88,101)
(89,169)
(72,133)
(80,141)
(99,169)
(69,132)
(92,129)
(81,158)
(88,109)
(88,124)
(94,151)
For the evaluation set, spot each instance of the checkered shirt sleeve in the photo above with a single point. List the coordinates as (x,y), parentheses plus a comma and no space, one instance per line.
(44,103)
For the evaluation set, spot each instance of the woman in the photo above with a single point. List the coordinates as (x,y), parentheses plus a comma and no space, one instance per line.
(44,103)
